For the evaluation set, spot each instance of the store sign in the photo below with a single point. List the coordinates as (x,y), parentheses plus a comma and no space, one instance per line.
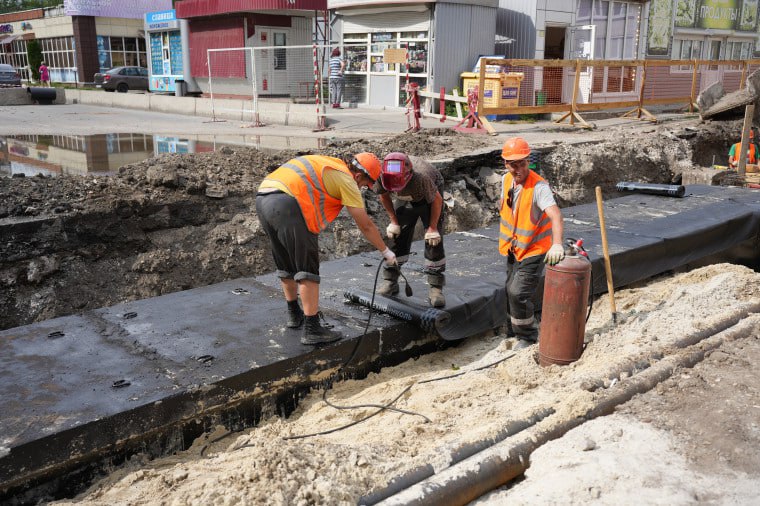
(740,15)
(660,27)
(133,9)
(26,25)
(6,28)
(161,20)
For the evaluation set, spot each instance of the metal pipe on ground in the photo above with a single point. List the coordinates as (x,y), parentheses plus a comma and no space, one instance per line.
(498,465)
(454,456)
(665,190)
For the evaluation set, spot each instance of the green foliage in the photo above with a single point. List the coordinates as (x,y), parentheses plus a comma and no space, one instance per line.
(34,53)
(451,108)
(24,5)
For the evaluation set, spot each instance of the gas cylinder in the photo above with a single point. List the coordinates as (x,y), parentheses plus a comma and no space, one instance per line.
(563,317)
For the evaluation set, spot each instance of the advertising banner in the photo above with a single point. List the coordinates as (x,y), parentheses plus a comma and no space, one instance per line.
(660,27)
(739,15)
(134,9)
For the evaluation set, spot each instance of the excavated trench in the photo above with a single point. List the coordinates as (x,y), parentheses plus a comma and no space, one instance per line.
(175,222)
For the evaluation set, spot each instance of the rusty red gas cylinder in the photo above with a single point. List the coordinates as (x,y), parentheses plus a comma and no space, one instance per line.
(563,317)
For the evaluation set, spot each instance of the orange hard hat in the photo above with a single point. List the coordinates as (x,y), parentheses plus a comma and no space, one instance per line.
(515,148)
(369,164)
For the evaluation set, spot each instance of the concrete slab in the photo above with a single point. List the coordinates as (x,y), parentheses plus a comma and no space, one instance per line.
(170,104)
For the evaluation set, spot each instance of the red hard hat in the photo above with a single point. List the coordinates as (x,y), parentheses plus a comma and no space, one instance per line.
(515,148)
(397,171)
(369,164)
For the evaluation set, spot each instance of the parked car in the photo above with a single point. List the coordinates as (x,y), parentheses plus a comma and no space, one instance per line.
(123,79)
(8,76)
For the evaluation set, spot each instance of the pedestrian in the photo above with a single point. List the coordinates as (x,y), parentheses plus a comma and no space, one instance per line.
(530,235)
(337,65)
(418,188)
(44,75)
(733,153)
(294,204)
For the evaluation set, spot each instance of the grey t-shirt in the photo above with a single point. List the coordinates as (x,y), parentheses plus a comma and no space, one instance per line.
(542,198)
(426,181)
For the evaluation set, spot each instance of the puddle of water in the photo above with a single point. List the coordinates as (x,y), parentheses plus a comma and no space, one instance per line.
(103,154)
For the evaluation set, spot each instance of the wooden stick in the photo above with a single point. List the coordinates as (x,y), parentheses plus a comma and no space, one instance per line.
(749,112)
(607,265)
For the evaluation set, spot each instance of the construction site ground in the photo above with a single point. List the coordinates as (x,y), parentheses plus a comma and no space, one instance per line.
(689,440)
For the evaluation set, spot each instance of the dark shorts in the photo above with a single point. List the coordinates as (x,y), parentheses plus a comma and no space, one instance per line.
(295,248)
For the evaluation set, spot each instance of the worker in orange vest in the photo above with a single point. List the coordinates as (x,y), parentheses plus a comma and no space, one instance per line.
(733,153)
(294,204)
(530,234)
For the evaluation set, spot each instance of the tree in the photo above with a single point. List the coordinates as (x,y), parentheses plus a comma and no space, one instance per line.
(34,54)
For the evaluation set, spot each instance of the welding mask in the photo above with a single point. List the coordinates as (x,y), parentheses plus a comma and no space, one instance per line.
(397,171)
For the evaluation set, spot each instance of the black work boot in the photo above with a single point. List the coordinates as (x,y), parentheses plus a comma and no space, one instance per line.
(389,286)
(315,333)
(295,315)
(435,292)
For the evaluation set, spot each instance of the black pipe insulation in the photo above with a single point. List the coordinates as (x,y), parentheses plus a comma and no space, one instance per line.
(456,455)
(45,96)
(427,318)
(666,190)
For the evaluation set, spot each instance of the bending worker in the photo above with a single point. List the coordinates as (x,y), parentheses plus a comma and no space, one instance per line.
(419,188)
(530,235)
(733,153)
(294,204)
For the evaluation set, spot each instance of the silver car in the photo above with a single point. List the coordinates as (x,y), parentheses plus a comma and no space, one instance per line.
(9,77)
(123,79)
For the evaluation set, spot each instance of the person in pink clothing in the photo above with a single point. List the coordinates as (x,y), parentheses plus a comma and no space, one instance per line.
(44,75)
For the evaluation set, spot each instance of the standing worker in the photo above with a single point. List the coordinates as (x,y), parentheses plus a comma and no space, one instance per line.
(294,204)
(733,153)
(530,235)
(337,65)
(419,187)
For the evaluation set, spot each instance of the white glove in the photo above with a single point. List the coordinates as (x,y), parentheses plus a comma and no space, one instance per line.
(392,230)
(555,254)
(390,257)
(433,238)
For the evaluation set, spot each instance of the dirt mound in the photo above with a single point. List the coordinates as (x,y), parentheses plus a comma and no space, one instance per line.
(175,222)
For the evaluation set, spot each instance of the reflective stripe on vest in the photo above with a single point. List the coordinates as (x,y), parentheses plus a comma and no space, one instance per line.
(303,177)
(751,158)
(517,231)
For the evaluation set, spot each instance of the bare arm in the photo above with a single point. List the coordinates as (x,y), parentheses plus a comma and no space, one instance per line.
(385,199)
(435,212)
(367,227)
(555,215)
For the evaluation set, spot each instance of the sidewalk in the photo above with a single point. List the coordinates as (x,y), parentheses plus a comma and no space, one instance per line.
(182,116)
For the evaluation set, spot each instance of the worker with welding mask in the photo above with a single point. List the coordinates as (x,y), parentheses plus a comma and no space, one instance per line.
(530,234)
(418,189)
(294,204)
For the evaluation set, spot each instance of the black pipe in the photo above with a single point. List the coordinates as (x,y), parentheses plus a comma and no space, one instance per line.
(427,318)
(666,190)
(45,96)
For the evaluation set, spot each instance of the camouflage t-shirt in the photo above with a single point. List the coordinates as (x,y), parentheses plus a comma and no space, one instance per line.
(426,181)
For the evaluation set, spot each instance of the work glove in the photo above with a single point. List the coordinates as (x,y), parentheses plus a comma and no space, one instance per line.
(555,254)
(390,257)
(392,230)
(432,238)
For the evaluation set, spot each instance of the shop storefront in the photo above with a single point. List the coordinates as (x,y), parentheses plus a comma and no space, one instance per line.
(707,30)
(79,38)
(168,53)
(367,30)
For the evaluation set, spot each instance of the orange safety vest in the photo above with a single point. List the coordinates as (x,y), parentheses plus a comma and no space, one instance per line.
(518,231)
(303,177)
(750,159)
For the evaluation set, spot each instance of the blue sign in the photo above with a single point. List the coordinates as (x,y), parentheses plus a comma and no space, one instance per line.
(160,16)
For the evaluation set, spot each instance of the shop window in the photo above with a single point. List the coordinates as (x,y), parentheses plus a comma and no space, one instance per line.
(417,57)
(280,55)
(421,82)
(117,44)
(356,57)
